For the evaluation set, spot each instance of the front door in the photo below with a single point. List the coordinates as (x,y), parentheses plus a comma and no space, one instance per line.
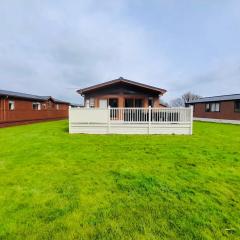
(103,103)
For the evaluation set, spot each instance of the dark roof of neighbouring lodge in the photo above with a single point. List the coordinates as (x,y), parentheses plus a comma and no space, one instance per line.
(7,93)
(217,98)
(121,80)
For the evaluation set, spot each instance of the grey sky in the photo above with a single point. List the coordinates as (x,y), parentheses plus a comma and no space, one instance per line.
(55,47)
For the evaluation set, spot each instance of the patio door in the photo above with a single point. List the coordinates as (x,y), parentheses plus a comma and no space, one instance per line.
(113,102)
(103,103)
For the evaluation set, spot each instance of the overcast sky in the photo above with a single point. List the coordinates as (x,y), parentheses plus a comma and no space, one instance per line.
(53,47)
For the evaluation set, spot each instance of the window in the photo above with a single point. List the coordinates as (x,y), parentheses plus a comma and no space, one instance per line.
(11,105)
(113,102)
(207,107)
(44,106)
(131,102)
(138,102)
(103,103)
(87,103)
(57,106)
(237,106)
(36,106)
(150,102)
(212,107)
(92,102)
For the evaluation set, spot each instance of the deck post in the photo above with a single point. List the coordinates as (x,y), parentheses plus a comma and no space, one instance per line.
(149,118)
(191,119)
(109,118)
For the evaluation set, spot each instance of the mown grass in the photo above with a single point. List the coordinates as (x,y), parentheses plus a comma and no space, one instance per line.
(59,186)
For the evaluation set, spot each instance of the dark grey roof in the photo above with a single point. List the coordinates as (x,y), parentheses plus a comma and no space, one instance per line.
(28,96)
(217,98)
(121,80)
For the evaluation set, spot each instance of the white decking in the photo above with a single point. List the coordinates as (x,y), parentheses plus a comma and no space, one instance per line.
(131,120)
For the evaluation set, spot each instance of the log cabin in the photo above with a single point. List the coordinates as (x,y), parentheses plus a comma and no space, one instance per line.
(225,108)
(21,108)
(122,93)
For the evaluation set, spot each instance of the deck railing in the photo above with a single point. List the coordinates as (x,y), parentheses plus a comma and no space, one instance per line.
(131,120)
(141,115)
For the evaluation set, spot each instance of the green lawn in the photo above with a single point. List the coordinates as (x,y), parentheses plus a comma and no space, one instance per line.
(59,186)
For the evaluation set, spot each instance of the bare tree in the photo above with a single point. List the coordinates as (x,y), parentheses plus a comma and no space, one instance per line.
(180,102)
(190,97)
(177,102)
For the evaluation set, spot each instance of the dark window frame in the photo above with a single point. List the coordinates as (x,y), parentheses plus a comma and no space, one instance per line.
(235,104)
(113,101)
(134,101)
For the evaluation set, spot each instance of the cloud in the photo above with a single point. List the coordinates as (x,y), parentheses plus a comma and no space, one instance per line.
(56,47)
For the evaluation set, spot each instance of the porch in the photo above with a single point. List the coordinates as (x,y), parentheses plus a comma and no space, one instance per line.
(131,120)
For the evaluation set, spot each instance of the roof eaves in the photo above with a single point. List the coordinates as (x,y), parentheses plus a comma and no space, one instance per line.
(83,90)
(216,98)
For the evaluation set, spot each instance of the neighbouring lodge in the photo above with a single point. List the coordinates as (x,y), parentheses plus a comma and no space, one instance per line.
(19,108)
(122,93)
(226,107)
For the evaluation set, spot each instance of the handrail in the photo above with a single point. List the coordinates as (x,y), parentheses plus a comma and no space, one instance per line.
(155,115)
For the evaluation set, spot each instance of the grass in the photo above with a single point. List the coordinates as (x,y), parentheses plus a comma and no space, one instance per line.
(59,186)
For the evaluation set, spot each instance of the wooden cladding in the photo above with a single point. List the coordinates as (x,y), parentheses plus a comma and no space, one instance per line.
(24,110)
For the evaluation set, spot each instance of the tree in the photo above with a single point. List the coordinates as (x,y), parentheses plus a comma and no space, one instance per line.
(177,102)
(180,102)
(190,97)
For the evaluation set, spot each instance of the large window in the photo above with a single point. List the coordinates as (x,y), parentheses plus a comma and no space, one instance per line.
(212,107)
(131,102)
(237,106)
(11,105)
(36,106)
(138,102)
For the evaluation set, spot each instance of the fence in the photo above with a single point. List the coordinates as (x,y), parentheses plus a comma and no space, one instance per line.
(131,120)
(14,117)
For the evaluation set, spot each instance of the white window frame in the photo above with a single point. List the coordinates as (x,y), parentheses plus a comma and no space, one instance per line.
(11,105)
(87,103)
(212,107)
(57,106)
(38,106)
(92,102)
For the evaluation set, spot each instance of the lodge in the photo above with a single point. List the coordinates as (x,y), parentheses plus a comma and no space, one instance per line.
(20,108)
(121,93)
(123,106)
(225,108)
